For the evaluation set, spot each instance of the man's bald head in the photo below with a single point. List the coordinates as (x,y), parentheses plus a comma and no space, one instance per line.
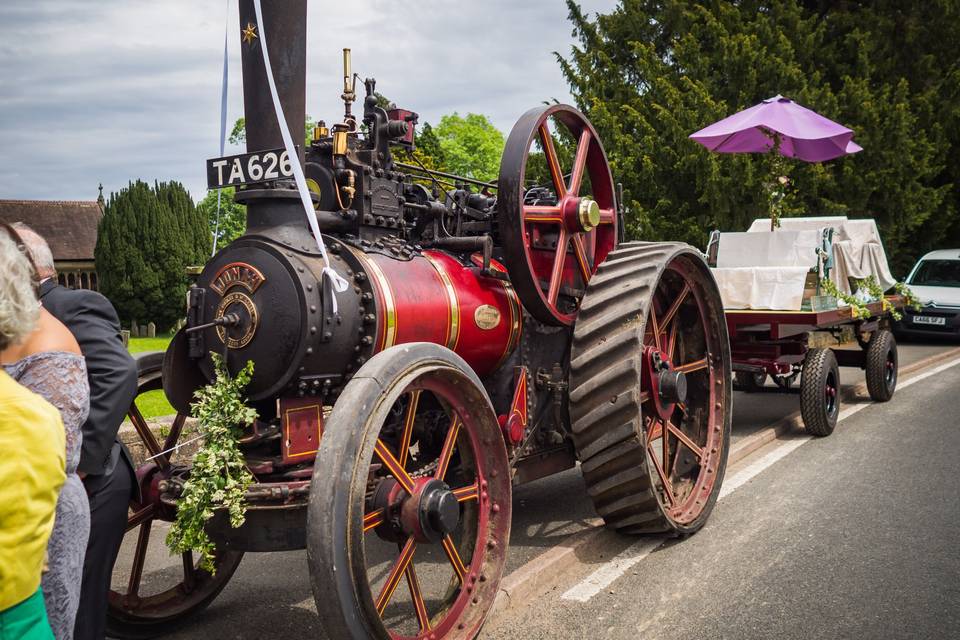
(39,250)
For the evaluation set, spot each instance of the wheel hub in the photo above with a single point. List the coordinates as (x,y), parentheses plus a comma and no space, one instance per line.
(667,385)
(431,512)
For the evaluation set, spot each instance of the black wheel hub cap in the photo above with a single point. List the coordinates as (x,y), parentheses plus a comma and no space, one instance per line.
(439,510)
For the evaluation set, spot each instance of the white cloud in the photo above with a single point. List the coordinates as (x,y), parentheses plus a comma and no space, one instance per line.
(117,90)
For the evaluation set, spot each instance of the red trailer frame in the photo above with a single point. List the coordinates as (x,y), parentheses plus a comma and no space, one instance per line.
(782,344)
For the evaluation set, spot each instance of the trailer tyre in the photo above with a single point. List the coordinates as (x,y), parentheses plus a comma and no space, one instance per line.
(882,366)
(820,392)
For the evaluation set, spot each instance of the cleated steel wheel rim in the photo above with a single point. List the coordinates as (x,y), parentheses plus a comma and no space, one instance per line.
(683,428)
(152,591)
(425,518)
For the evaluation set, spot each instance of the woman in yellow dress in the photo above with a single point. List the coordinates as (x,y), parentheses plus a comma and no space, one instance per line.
(32,463)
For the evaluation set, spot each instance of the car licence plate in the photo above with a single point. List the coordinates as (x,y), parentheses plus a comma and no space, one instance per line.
(934,320)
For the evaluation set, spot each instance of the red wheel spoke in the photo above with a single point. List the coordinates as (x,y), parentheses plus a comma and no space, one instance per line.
(393,578)
(644,396)
(581,255)
(139,557)
(665,449)
(539,214)
(189,571)
(607,216)
(656,431)
(373,520)
(383,452)
(454,556)
(690,367)
(556,273)
(470,492)
(149,441)
(672,311)
(139,517)
(553,163)
(443,462)
(685,439)
(171,440)
(579,162)
(408,420)
(663,477)
(654,326)
(672,340)
(423,618)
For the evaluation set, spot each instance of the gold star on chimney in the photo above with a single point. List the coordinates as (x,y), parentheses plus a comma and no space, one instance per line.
(250,33)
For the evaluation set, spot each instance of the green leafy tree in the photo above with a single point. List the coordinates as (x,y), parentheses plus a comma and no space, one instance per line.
(145,240)
(470,145)
(238,135)
(233,216)
(652,72)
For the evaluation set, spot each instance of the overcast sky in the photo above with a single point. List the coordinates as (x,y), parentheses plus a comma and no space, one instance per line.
(115,90)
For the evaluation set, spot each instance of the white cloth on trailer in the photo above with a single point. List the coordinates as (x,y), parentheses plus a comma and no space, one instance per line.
(857,249)
(761,287)
(784,248)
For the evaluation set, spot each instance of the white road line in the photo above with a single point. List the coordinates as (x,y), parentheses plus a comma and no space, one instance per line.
(616,567)
(622,562)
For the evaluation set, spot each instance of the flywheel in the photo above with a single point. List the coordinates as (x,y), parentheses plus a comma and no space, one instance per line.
(557,213)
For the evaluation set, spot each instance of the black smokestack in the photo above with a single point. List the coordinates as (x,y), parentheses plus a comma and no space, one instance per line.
(285,24)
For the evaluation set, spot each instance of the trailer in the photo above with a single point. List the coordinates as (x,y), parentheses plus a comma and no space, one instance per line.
(811,346)
(782,326)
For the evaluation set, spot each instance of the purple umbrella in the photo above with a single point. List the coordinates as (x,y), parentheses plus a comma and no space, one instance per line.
(804,134)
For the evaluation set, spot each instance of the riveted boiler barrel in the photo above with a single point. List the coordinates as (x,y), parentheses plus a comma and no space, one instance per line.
(433,297)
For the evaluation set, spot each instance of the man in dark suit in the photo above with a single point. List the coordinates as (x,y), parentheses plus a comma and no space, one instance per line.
(105,464)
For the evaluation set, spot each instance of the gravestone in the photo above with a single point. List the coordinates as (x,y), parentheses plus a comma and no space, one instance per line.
(125,336)
(151,330)
(134,329)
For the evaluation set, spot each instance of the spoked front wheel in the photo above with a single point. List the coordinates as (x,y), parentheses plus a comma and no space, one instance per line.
(409,514)
(152,592)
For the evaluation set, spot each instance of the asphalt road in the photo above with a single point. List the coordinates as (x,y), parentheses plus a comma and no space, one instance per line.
(851,536)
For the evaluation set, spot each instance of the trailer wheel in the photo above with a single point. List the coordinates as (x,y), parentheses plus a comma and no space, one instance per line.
(650,389)
(749,382)
(409,514)
(148,595)
(882,365)
(820,392)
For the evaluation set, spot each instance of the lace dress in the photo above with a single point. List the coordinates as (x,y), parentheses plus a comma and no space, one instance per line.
(61,378)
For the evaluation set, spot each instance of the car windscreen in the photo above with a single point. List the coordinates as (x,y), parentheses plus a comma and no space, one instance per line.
(937,273)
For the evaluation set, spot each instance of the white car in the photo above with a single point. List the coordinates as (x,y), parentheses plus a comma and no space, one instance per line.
(935,279)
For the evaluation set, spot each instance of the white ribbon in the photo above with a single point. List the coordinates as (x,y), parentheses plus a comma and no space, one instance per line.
(336,281)
(223,123)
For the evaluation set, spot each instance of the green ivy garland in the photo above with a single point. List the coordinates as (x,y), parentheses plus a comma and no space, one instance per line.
(219,476)
(858,309)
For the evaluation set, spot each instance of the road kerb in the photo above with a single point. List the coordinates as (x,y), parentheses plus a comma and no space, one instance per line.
(537,576)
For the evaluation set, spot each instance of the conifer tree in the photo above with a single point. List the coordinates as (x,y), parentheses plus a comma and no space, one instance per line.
(145,240)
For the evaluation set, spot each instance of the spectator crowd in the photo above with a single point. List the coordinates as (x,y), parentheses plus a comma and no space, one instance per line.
(66,482)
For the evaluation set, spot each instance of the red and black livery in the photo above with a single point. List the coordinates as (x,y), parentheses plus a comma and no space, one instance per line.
(491,334)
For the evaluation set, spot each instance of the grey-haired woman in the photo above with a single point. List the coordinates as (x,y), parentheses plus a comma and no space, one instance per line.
(48,362)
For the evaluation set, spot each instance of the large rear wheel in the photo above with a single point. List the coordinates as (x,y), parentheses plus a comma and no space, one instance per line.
(409,515)
(152,592)
(650,384)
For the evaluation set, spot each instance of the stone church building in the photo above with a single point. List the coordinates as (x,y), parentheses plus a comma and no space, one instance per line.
(70,228)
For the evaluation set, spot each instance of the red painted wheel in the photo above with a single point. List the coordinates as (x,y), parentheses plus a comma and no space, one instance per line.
(685,439)
(409,514)
(650,389)
(556,233)
(152,591)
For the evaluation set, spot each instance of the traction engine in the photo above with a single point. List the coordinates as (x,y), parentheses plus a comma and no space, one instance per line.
(490,333)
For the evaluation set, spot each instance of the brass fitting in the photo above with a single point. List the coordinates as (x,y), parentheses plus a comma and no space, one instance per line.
(339,142)
(588,211)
